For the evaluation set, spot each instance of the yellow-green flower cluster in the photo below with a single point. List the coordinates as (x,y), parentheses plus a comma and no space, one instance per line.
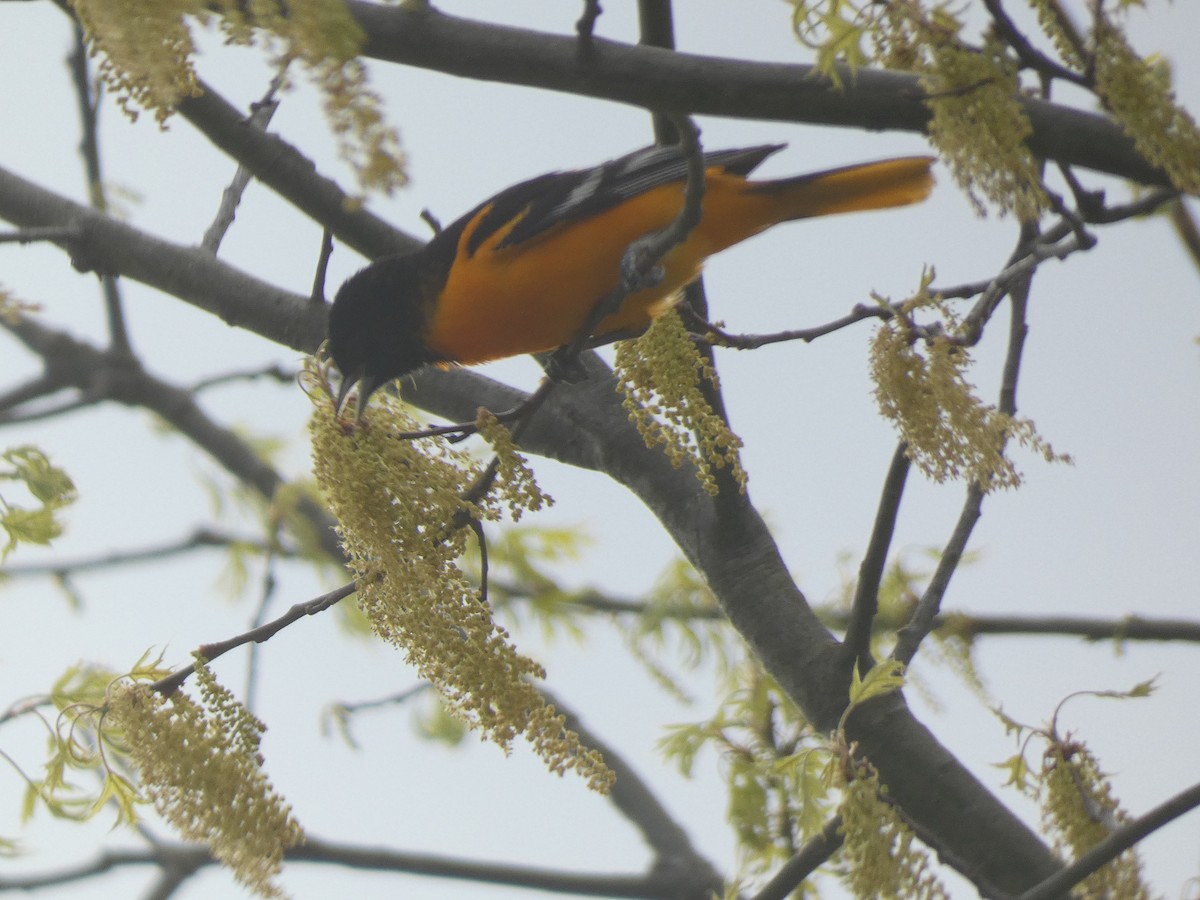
(974,96)
(1057,26)
(1079,811)
(1138,93)
(660,375)
(921,387)
(883,860)
(200,765)
(402,516)
(146,49)
(10,307)
(514,479)
(324,36)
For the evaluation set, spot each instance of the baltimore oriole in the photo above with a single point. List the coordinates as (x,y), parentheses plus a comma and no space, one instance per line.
(522,271)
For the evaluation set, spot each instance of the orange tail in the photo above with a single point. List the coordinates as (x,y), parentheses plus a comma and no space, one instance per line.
(878,185)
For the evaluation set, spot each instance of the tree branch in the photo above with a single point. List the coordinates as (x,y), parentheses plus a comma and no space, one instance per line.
(184,858)
(856,645)
(263,632)
(1131,628)
(1114,845)
(85,95)
(654,78)
(676,860)
(909,638)
(292,175)
(199,539)
(231,197)
(116,377)
(188,273)
(584,425)
(969,625)
(814,853)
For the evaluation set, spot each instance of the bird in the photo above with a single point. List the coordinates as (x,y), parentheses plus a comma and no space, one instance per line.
(522,271)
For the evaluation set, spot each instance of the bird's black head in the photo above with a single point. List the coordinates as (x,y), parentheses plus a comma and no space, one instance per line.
(377,325)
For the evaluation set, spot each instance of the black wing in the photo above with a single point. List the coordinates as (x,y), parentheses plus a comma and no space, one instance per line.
(547,201)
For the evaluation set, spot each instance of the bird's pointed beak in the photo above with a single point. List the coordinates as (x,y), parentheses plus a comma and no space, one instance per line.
(367,385)
(348,384)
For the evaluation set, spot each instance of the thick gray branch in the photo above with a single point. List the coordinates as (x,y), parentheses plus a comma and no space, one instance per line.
(659,79)
(584,425)
(105,245)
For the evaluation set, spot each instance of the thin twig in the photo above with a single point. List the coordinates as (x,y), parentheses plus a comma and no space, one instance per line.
(260,118)
(857,642)
(909,638)
(677,861)
(1016,275)
(1129,628)
(815,852)
(1018,329)
(481,540)
(434,223)
(269,584)
(656,28)
(317,295)
(274,372)
(1026,52)
(314,850)
(201,538)
(1184,223)
(397,699)
(721,338)
(264,632)
(86,97)
(586,26)
(339,715)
